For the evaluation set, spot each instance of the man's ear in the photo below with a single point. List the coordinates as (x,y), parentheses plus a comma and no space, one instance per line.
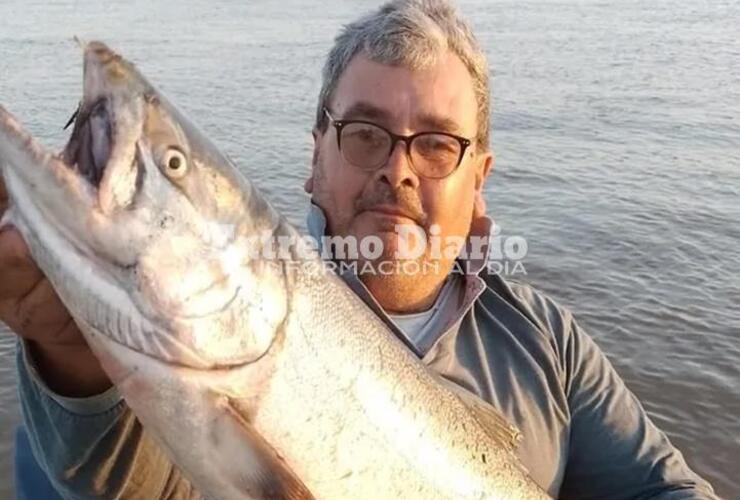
(308,185)
(485,164)
(484,168)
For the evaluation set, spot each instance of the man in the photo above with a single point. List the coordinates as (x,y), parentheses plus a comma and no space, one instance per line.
(401,137)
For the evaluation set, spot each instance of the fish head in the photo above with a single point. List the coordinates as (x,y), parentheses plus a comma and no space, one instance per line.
(155,226)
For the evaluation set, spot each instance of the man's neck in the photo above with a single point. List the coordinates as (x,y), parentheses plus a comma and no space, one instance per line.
(400,294)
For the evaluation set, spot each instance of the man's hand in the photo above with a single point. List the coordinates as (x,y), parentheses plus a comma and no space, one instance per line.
(31,308)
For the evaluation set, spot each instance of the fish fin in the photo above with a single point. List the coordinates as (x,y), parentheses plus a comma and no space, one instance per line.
(262,473)
(496,425)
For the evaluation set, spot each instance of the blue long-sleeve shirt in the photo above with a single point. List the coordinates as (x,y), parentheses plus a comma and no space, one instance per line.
(585,435)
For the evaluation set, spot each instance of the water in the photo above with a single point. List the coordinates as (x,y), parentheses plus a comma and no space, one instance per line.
(616,127)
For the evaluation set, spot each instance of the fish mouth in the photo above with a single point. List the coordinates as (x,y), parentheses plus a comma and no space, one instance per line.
(102,148)
(89,147)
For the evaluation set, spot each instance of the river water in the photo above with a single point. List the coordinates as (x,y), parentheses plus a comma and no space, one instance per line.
(616,127)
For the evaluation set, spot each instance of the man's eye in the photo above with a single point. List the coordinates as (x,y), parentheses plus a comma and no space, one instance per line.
(366,136)
(437,145)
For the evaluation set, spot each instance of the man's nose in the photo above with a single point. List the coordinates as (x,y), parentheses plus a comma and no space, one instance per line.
(398,170)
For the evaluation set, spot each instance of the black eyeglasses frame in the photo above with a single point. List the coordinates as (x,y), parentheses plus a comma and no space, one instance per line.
(406,139)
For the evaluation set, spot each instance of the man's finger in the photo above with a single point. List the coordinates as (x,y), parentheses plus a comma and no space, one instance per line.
(19,272)
(43,317)
(12,244)
(3,197)
(3,191)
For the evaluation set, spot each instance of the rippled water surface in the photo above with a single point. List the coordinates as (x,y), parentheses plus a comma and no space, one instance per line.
(616,127)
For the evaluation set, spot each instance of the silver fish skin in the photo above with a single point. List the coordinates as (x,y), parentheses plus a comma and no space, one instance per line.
(259,377)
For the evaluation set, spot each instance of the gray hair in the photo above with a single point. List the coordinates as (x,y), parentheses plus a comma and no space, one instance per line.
(412,34)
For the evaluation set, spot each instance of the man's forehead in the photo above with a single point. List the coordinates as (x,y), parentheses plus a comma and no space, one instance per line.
(440,97)
(432,120)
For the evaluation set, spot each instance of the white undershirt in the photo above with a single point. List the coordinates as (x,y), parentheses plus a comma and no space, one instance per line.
(418,326)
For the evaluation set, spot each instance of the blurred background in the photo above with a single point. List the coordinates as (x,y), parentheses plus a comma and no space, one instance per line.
(616,128)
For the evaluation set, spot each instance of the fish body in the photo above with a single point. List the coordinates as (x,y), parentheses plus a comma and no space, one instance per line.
(260,377)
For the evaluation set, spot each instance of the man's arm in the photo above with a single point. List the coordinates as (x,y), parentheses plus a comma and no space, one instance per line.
(93,447)
(616,451)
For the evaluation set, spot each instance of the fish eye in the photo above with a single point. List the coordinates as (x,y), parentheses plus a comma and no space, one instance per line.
(174,164)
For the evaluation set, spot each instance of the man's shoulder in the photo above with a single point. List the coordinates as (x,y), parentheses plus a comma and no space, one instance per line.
(540,311)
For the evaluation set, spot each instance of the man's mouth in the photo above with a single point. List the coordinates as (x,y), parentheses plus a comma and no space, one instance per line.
(393,211)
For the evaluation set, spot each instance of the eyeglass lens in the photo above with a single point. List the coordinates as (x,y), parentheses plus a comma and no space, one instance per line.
(368,146)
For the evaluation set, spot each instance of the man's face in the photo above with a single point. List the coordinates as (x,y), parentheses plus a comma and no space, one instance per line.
(360,203)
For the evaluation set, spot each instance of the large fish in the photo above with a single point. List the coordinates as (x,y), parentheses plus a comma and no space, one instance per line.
(259,377)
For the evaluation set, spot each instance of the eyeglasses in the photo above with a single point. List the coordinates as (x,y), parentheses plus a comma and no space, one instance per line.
(368,146)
